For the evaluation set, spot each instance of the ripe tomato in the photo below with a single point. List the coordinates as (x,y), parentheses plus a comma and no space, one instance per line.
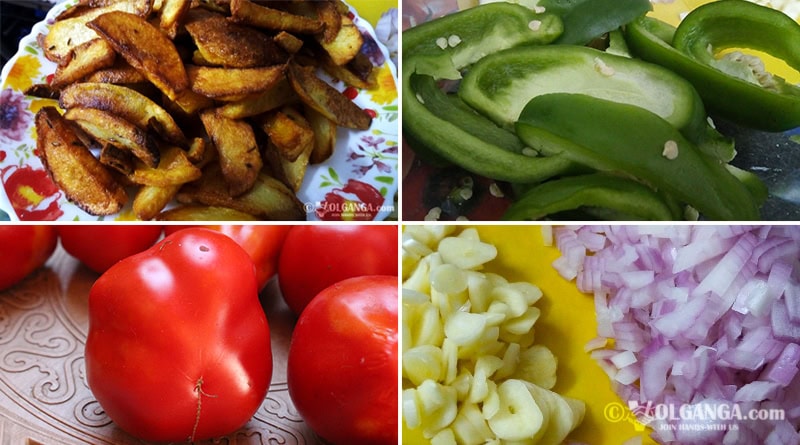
(178,346)
(315,257)
(262,242)
(99,247)
(24,249)
(342,366)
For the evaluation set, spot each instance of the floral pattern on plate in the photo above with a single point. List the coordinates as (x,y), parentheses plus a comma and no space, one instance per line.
(366,160)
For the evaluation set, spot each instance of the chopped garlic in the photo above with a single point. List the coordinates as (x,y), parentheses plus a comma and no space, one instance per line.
(420,99)
(539,9)
(465,193)
(462,218)
(670,150)
(535,25)
(469,357)
(441,42)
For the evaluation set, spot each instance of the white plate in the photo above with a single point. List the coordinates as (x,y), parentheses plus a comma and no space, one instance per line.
(367,158)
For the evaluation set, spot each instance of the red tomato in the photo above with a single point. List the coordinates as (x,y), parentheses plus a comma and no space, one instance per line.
(178,346)
(342,366)
(262,242)
(24,249)
(315,257)
(100,247)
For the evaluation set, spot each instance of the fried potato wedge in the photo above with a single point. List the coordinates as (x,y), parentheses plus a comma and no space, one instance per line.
(322,97)
(172,11)
(84,60)
(259,103)
(324,135)
(221,42)
(289,132)
(118,159)
(150,200)
(249,13)
(269,199)
(204,213)
(70,32)
(289,172)
(43,90)
(174,168)
(239,156)
(119,73)
(221,83)
(73,167)
(125,103)
(288,42)
(110,129)
(345,45)
(145,48)
(328,13)
(351,73)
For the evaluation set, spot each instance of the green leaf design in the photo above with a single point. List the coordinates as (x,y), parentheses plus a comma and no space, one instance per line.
(390,108)
(385,179)
(326,184)
(334,175)
(384,191)
(32,50)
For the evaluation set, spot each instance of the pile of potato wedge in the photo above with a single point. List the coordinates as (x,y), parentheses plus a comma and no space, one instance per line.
(214,104)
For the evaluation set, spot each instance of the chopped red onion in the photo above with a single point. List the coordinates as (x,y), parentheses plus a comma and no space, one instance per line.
(696,316)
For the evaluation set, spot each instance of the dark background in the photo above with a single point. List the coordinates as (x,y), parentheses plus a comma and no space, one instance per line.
(17,17)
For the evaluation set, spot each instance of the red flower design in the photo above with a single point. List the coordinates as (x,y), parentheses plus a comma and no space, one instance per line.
(356,201)
(32,193)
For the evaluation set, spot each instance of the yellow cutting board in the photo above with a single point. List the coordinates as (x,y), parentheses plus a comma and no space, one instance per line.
(567,323)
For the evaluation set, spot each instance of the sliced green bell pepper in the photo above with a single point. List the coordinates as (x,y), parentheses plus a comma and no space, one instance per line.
(458,40)
(585,20)
(735,90)
(439,50)
(626,198)
(626,139)
(499,86)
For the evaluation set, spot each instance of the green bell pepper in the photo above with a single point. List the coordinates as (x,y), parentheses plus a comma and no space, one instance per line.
(585,20)
(439,50)
(737,90)
(626,139)
(626,198)
(500,85)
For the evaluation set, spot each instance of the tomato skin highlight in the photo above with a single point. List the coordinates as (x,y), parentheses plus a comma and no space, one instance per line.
(100,247)
(179,346)
(315,257)
(343,358)
(23,249)
(262,242)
